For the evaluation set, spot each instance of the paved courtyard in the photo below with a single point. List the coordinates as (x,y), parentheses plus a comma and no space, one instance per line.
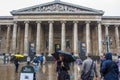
(47,72)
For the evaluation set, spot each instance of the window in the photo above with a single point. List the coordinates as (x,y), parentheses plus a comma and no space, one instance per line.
(46,43)
(67,43)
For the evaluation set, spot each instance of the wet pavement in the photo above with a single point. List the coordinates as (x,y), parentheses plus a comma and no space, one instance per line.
(46,72)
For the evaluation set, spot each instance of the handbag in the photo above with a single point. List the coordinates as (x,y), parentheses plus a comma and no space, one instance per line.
(85,76)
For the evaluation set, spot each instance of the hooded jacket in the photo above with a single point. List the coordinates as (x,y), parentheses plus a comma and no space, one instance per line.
(109,68)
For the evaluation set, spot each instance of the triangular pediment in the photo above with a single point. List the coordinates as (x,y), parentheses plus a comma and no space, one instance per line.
(57,7)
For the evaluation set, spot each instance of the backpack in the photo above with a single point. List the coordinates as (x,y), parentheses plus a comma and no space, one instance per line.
(41,58)
(85,76)
(79,61)
(113,66)
(35,60)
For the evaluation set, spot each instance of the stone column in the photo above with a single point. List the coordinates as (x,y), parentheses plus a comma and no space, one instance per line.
(22,41)
(0,29)
(117,36)
(26,43)
(50,37)
(0,37)
(88,50)
(107,37)
(8,39)
(38,40)
(106,30)
(63,40)
(99,38)
(18,40)
(75,32)
(14,38)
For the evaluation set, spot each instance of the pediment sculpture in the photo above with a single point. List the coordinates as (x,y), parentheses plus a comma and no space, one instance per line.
(54,8)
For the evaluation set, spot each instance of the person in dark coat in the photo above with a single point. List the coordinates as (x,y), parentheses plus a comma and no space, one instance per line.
(102,59)
(16,62)
(62,69)
(109,68)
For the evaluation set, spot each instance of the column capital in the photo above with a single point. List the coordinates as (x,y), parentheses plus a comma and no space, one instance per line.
(26,21)
(75,21)
(106,25)
(87,22)
(8,25)
(99,22)
(38,21)
(116,25)
(63,21)
(15,22)
(50,21)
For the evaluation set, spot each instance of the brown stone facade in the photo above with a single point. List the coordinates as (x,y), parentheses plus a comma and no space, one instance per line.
(66,27)
(6,45)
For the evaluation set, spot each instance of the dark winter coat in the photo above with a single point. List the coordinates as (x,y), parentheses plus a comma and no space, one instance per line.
(63,71)
(16,62)
(109,68)
(60,68)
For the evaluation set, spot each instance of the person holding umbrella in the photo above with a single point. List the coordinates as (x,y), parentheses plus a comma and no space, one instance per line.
(63,64)
(62,68)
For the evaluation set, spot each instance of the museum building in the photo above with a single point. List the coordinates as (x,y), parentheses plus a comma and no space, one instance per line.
(58,25)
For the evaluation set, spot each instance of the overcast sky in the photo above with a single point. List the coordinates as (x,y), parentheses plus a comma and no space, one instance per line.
(110,7)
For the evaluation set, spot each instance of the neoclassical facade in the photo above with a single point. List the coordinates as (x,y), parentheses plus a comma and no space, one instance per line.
(58,25)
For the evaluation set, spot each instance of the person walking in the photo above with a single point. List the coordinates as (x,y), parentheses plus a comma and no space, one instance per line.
(35,62)
(109,68)
(16,63)
(28,59)
(88,69)
(79,63)
(41,59)
(62,69)
(102,59)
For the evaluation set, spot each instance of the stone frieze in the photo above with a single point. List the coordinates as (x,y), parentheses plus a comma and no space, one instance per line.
(54,8)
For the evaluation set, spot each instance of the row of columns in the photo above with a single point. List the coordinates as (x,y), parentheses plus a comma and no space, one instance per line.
(63,37)
(63,44)
(116,35)
(107,34)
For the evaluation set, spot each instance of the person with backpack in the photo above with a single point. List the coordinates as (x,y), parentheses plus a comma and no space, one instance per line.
(35,62)
(89,69)
(109,68)
(41,59)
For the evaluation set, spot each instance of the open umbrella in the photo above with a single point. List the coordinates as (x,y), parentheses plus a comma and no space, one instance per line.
(19,55)
(68,57)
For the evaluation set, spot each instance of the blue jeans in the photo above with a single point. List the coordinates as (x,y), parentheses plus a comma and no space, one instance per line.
(36,68)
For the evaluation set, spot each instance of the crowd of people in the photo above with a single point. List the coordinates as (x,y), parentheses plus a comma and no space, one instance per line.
(109,69)
(36,61)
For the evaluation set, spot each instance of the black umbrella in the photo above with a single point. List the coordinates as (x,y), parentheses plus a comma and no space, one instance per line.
(68,57)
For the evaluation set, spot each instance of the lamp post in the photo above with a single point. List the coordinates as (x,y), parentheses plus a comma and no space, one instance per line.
(107,41)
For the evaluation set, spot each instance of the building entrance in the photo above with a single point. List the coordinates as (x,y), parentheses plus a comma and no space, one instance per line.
(57,47)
